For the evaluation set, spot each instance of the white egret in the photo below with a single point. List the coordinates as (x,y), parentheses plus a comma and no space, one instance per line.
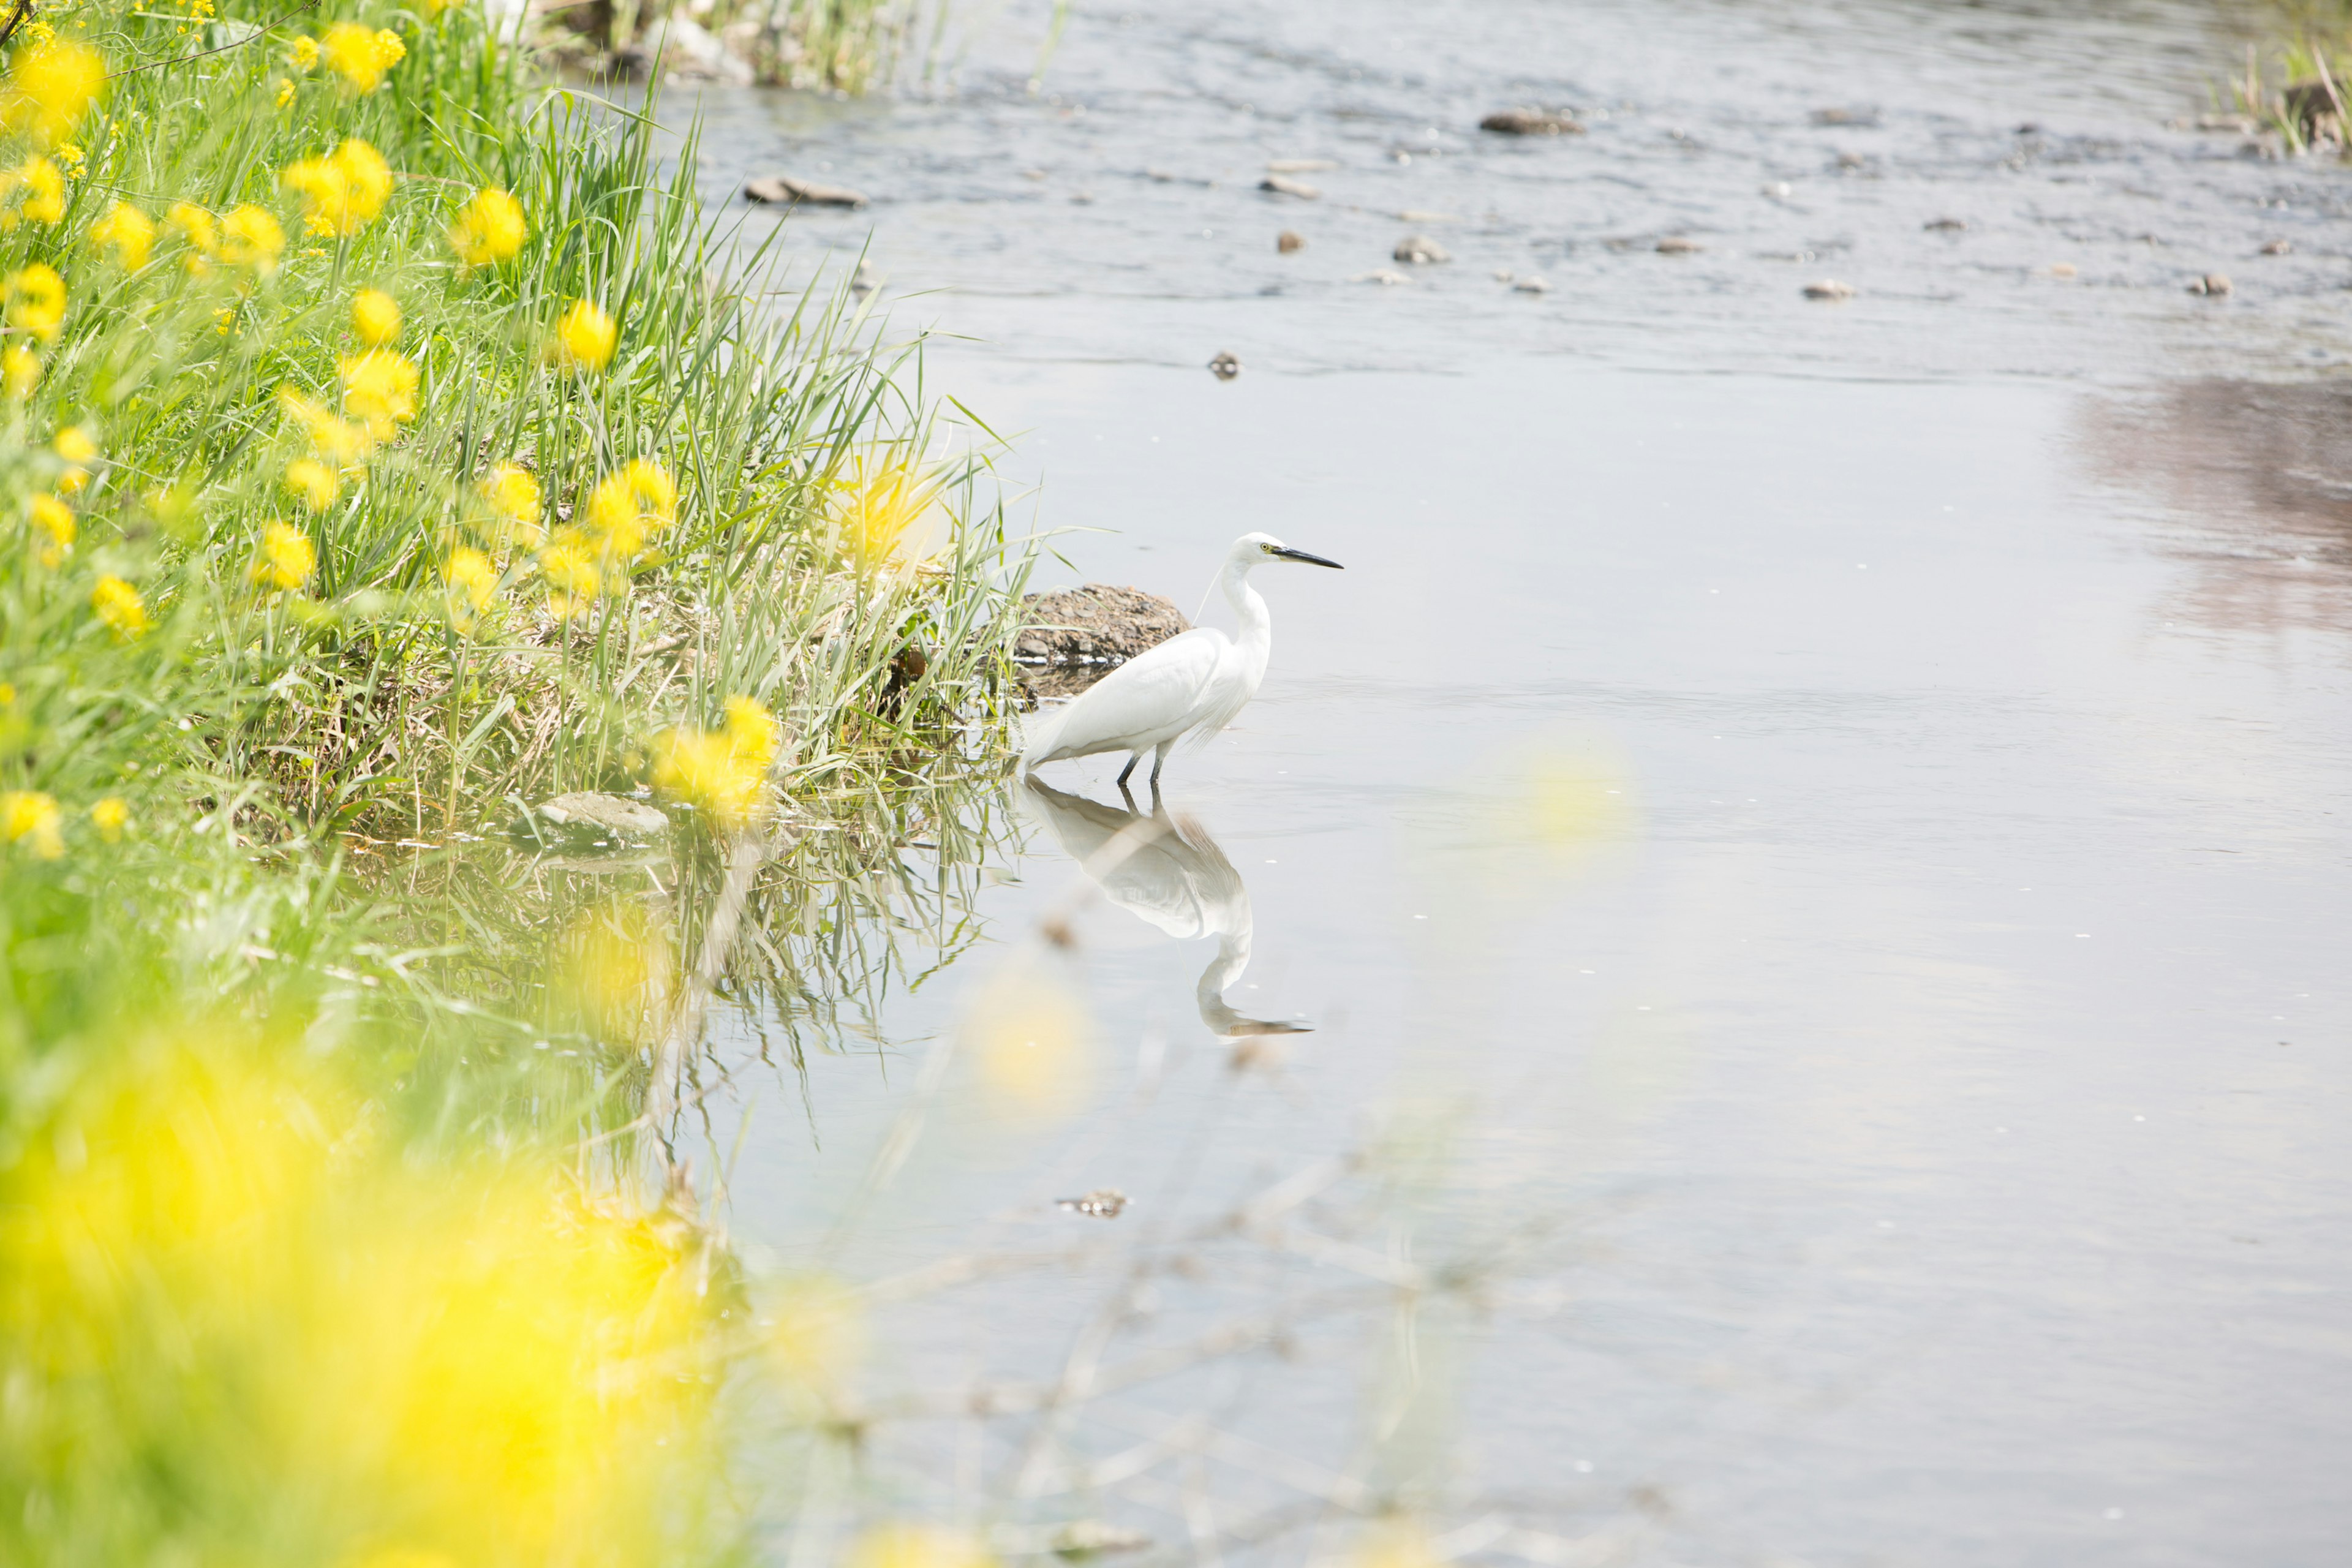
(1167,871)
(1193,684)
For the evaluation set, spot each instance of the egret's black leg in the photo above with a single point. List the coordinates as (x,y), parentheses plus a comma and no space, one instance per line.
(1133,758)
(1159,761)
(1155,793)
(1126,794)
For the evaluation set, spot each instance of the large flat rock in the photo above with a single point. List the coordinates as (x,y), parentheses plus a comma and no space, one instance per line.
(1095,624)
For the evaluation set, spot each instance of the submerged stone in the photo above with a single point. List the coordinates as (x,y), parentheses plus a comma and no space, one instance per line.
(587,818)
(783,188)
(1096,624)
(1530,122)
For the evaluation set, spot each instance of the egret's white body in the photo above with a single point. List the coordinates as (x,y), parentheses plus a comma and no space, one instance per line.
(1192,685)
(1167,871)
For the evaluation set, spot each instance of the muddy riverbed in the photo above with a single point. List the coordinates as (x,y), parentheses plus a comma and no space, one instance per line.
(1813,838)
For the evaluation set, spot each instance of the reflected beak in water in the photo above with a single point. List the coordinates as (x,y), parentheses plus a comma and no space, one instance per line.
(1284,552)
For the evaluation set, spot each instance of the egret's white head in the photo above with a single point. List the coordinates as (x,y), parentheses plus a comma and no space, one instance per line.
(1257,549)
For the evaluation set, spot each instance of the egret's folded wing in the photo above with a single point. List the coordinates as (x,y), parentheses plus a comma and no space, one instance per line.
(1139,703)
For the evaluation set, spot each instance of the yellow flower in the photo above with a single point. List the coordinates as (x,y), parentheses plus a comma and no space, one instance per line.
(571,577)
(118,604)
(917,1546)
(489,229)
(304,55)
(720,772)
(375,317)
(344,192)
(74,445)
(656,491)
(130,231)
(287,557)
(878,507)
(380,387)
(625,509)
(584,336)
(51,88)
(73,158)
(361,55)
(45,192)
(197,229)
(55,522)
(316,483)
(111,816)
(473,583)
(20,371)
(251,237)
(36,300)
(285,91)
(224,321)
(335,439)
(513,497)
(30,818)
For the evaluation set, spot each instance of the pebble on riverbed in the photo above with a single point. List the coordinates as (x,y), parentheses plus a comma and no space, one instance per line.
(1280,186)
(1946,225)
(1530,122)
(1829,288)
(2278,247)
(1288,240)
(1226,366)
(1530,286)
(589,819)
(1383,274)
(2212,283)
(784,189)
(1675,244)
(1419,250)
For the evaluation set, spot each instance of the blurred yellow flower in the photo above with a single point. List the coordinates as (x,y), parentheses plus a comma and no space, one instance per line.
(490,228)
(614,979)
(111,816)
(361,55)
(375,317)
(251,237)
(877,506)
(224,322)
(917,1546)
(304,55)
(120,607)
(723,773)
(30,818)
(317,484)
(573,580)
(473,583)
(74,445)
(514,500)
(287,558)
(1395,1545)
(197,229)
(44,191)
(131,232)
(36,300)
(584,336)
(74,160)
(20,371)
(1028,1033)
(50,87)
(285,91)
(344,192)
(626,509)
(333,437)
(815,1333)
(380,388)
(54,521)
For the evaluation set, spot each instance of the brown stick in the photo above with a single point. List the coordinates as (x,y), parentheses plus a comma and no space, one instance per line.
(16,20)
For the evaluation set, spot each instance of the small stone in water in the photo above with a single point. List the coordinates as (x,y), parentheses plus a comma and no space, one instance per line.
(1381,275)
(1778,190)
(1945,225)
(1829,288)
(2061,269)
(1288,240)
(1530,122)
(2278,247)
(2212,283)
(1226,366)
(1419,249)
(1282,187)
(1530,286)
(1675,244)
(1103,1203)
(1852,161)
(783,188)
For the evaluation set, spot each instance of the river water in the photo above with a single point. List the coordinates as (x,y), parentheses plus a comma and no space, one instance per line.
(1812,838)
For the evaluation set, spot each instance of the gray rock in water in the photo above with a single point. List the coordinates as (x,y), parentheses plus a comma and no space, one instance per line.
(586,817)
(1283,187)
(1096,624)
(1419,249)
(1530,122)
(1829,288)
(1675,244)
(1226,366)
(784,189)
(1288,240)
(2212,283)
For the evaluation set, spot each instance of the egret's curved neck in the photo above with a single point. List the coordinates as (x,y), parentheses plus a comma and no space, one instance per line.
(1257,627)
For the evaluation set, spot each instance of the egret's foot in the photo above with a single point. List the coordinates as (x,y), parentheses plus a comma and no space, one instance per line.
(1131,760)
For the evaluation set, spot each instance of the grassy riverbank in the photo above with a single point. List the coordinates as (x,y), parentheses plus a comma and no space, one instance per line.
(387,444)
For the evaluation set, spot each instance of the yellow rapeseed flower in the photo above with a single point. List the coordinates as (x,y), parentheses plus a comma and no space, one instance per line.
(74,445)
(489,229)
(304,55)
(20,371)
(380,388)
(74,159)
(317,484)
(111,816)
(130,231)
(472,582)
(54,521)
(333,437)
(30,818)
(50,88)
(721,772)
(375,317)
(514,501)
(285,91)
(573,580)
(251,237)
(197,229)
(344,192)
(584,337)
(119,606)
(361,55)
(917,1546)
(44,189)
(287,558)
(876,507)
(36,300)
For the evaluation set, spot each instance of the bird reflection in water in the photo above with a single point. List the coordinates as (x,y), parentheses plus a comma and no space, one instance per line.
(1166,870)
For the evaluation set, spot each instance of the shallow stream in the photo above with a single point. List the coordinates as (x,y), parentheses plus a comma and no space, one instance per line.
(1813,838)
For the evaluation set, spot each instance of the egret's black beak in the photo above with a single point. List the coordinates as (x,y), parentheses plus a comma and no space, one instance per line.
(1286,553)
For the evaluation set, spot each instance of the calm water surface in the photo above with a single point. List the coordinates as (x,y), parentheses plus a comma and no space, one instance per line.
(1813,837)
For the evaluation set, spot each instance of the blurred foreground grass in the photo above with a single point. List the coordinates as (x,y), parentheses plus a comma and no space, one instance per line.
(386,444)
